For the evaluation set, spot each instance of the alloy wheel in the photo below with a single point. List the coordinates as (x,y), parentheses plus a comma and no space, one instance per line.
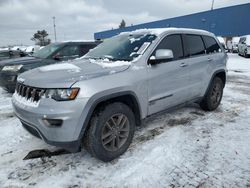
(216,94)
(115,132)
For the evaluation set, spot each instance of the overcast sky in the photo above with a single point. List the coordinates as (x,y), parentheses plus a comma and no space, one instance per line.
(79,19)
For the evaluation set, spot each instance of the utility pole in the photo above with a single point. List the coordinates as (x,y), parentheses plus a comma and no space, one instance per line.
(54,24)
(212,7)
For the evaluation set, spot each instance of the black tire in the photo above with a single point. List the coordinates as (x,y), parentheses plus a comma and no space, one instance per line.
(213,96)
(105,120)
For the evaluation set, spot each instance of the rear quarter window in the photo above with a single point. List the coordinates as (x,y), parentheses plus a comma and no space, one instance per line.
(211,45)
(194,45)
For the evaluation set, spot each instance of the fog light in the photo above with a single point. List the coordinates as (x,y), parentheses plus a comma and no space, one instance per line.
(53,122)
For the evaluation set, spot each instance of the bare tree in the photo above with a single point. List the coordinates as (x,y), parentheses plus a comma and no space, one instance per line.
(122,24)
(41,38)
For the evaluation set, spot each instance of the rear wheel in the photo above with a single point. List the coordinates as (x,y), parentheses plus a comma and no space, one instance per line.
(111,132)
(245,54)
(213,96)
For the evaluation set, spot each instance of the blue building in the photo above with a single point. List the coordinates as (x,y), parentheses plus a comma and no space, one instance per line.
(227,22)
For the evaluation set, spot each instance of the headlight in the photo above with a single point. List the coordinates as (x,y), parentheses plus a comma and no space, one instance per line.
(13,68)
(61,94)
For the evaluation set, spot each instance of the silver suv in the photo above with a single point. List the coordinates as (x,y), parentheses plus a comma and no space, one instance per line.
(244,46)
(98,100)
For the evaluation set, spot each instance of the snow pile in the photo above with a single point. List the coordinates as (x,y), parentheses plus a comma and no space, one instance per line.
(106,63)
(160,31)
(156,32)
(132,40)
(61,66)
(242,67)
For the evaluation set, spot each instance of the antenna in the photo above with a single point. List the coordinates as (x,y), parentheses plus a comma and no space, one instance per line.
(212,7)
(54,24)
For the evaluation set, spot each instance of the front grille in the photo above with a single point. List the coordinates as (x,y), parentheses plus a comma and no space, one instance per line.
(30,93)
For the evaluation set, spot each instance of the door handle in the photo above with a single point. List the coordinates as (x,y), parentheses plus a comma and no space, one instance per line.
(183,65)
(209,59)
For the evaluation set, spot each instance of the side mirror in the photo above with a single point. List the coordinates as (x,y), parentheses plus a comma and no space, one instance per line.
(161,55)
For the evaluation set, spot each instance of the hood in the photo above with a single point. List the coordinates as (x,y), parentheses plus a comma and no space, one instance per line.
(20,60)
(64,75)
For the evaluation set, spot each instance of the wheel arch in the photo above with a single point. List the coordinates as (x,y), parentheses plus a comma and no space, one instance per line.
(219,73)
(222,75)
(127,97)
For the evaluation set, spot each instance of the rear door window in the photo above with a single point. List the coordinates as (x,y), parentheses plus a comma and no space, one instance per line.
(211,45)
(174,43)
(194,45)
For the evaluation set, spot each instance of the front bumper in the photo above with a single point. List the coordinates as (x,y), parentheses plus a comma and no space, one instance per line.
(67,135)
(235,49)
(8,80)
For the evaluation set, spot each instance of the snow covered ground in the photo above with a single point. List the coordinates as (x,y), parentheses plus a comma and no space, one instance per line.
(186,147)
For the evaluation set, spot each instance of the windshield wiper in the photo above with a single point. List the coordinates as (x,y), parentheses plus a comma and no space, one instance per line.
(111,58)
(102,57)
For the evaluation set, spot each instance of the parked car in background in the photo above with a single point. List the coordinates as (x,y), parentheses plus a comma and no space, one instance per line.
(98,100)
(9,54)
(53,53)
(15,48)
(31,49)
(244,46)
(22,48)
(235,42)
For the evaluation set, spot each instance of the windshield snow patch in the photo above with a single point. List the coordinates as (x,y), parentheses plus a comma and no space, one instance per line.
(106,63)
(61,66)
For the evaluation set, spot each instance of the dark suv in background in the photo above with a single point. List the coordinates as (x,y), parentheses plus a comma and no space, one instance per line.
(51,54)
(10,54)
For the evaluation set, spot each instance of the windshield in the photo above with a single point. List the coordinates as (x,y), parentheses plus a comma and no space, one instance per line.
(122,47)
(47,51)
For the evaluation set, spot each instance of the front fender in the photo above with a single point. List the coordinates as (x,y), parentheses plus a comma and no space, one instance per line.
(97,99)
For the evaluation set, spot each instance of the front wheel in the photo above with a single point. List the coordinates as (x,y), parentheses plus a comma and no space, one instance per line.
(213,96)
(111,131)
